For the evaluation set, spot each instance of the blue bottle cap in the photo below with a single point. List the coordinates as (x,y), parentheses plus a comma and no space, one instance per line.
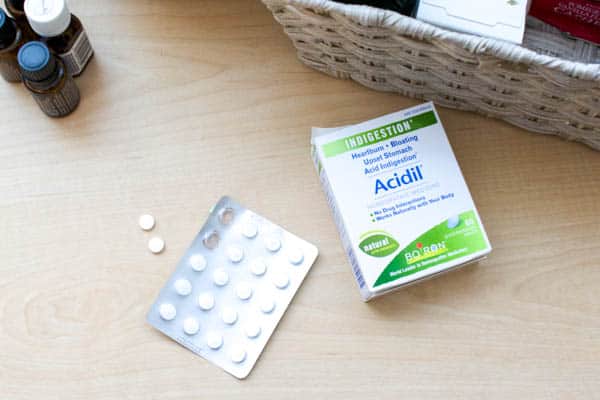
(36,62)
(8,31)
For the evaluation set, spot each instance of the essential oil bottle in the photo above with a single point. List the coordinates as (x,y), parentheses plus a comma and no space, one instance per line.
(61,31)
(45,76)
(11,40)
(16,9)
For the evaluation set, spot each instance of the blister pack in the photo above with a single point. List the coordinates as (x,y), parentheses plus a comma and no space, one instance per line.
(232,287)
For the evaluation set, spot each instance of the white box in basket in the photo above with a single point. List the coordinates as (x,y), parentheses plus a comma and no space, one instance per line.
(500,19)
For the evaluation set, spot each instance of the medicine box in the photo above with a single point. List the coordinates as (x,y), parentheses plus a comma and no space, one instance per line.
(399,199)
(500,19)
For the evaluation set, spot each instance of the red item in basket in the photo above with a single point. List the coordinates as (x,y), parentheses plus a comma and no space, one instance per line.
(579,18)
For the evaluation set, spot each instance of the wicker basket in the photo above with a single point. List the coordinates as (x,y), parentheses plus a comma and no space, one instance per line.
(550,85)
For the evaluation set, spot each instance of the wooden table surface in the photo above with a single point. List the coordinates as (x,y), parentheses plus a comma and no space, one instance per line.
(189,100)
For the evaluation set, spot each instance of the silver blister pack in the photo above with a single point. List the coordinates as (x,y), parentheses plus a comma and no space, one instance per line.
(232,287)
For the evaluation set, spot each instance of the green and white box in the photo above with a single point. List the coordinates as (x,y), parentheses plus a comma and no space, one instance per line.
(399,199)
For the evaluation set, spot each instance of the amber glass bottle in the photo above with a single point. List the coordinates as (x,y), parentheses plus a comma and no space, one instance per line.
(11,40)
(16,9)
(44,75)
(61,31)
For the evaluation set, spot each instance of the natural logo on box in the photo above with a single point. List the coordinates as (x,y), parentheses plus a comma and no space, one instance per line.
(378,244)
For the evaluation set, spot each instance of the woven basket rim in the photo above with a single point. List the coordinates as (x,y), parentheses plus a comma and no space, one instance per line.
(375,17)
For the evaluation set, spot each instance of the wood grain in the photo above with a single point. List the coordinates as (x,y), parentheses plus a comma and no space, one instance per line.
(188,100)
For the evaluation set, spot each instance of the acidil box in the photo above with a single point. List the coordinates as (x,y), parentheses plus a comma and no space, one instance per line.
(399,199)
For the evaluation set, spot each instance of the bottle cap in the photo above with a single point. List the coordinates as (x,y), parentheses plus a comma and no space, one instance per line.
(48,18)
(8,32)
(36,62)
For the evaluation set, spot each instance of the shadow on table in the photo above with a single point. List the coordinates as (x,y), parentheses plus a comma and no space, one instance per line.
(446,290)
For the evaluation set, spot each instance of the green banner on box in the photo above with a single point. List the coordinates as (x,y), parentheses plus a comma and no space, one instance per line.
(380,134)
(445,242)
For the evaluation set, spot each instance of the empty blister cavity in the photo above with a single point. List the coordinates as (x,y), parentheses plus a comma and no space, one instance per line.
(211,240)
(258,267)
(229,315)
(243,290)
(167,311)
(183,287)
(235,254)
(220,277)
(206,301)
(191,326)
(232,287)
(226,216)
(214,340)
(198,262)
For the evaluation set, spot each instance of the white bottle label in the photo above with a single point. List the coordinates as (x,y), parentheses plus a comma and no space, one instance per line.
(77,58)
